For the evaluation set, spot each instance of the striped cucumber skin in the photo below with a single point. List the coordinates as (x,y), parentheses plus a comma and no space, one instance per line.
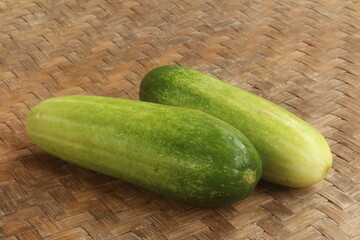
(294,154)
(180,153)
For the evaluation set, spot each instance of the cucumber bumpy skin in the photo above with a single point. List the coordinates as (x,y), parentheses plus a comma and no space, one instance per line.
(294,153)
(180,153)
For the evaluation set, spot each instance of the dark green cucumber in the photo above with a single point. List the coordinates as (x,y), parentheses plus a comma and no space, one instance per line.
(293,153)
(180,153)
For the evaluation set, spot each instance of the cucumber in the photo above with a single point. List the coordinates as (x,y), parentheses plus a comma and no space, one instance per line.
(294,154)
(181,153)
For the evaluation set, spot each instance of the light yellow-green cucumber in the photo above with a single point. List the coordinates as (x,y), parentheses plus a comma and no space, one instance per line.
(293,153)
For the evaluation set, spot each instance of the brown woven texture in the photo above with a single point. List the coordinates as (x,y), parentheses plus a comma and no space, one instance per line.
(302,55)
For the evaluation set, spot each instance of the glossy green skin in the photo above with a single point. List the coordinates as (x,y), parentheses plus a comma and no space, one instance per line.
(180,153)
(293,153)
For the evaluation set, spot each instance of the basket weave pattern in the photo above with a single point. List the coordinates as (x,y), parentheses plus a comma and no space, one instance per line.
(302,55)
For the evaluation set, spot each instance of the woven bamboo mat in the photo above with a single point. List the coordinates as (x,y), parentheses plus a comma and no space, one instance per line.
(302,55)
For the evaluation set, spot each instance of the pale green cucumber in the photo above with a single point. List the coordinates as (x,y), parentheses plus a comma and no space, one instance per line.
(180,153)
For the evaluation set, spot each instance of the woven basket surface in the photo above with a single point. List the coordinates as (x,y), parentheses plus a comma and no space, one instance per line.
(302,55)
